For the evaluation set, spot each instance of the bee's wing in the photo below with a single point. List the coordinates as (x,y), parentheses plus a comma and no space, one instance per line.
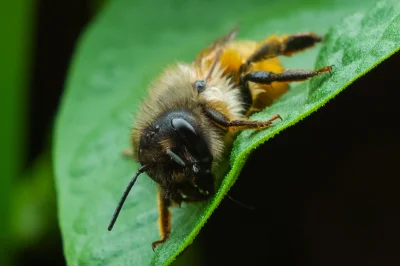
(213,50)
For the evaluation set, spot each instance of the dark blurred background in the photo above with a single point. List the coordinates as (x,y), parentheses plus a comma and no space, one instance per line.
(325,191)
(331,196)
(38,39)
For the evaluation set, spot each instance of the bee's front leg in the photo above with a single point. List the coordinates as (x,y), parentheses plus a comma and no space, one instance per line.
(164,219)
(221,120)
(127,152)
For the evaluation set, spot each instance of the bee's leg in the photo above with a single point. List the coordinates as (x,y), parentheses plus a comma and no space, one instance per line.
(222,121)
(127,152)
(164,219)
(262,77)
(286,45)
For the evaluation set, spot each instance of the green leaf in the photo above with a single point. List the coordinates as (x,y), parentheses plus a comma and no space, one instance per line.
(113,64)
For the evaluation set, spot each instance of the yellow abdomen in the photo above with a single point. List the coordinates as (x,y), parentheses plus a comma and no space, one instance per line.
(236,53)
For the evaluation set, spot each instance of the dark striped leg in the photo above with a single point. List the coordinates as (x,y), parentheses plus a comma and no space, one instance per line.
(286,45)
(263,77)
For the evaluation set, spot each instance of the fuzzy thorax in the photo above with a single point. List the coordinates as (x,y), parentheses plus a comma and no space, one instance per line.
(173,90)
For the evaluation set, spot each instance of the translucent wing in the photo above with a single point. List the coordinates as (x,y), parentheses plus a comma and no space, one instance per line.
(212,52)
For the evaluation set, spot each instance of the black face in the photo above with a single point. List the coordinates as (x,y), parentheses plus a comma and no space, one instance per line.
(179,153)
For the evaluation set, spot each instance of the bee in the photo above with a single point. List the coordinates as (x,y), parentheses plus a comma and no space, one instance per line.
(193,111)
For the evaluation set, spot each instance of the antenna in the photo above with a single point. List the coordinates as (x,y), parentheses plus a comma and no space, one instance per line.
(123,198)
(241,204)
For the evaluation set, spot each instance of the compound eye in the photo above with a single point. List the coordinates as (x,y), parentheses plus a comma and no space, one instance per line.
(200,85)
(192,140)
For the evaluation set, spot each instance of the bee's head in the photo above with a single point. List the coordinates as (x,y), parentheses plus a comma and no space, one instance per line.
(178,149)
